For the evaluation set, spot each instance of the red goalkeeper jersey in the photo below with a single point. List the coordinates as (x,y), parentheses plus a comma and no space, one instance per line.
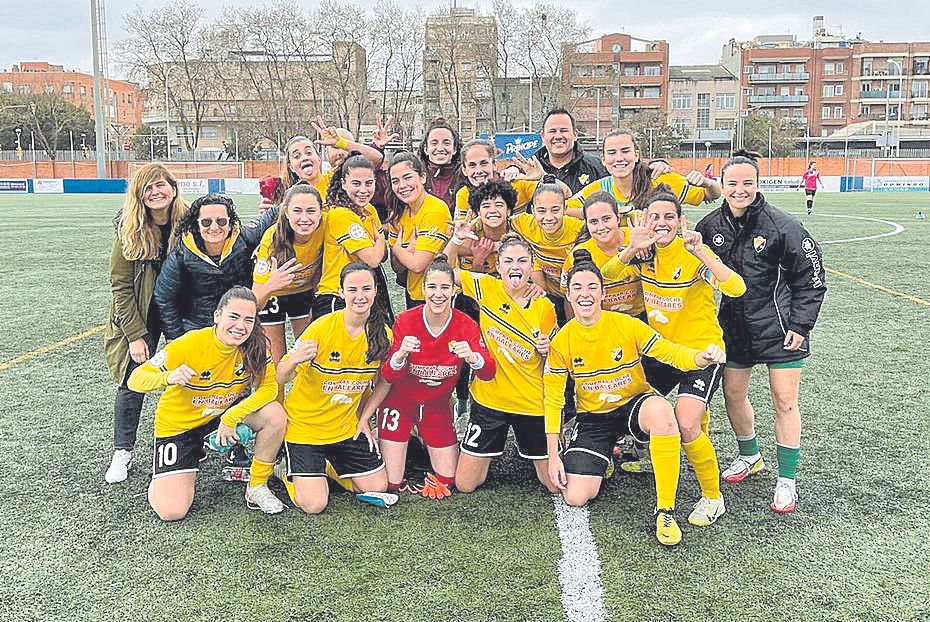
(431,373)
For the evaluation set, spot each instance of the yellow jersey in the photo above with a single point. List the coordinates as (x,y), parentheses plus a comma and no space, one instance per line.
(220,386)
(322,406)
(549,251)
(431,222)
(510,331)
(489,265)
(309,254)
(623,291)
(686,193)
(346,233)
(678,290)
(525,190)
(606,362)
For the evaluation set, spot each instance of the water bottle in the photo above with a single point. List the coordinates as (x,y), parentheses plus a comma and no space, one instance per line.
(243,431)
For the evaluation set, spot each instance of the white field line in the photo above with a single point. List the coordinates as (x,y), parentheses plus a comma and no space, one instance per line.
(580,567)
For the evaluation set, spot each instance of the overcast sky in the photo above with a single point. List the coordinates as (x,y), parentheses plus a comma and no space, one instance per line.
(58,31)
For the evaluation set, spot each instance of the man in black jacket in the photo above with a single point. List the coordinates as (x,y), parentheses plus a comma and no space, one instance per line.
(561,156)
(771,323)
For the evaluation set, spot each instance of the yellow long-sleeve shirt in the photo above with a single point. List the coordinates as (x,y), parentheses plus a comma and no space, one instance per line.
(686,193)
(605,361)
(220,386)
(431,222)
(549,251)
(525,190)
(623,291)
(346,234)
(322,406)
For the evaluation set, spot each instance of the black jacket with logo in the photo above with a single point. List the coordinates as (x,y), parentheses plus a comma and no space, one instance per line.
(578,173)
(785,280)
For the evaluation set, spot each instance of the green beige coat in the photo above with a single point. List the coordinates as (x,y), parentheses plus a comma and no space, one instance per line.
(132,284)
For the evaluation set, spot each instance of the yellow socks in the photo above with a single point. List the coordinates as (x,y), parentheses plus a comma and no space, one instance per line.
(344,482)
(260,472)
(665,452)
(703,458)
(705,422)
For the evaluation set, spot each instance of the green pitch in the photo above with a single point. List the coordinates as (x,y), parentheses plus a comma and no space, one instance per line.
(75,548)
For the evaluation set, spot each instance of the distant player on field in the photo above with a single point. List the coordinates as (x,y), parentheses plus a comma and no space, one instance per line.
(809,180)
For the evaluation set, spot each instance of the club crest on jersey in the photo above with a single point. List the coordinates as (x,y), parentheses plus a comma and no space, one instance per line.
(357,232)
(205,375)
(578,361)
(240,370)
(807,245)
(758,243)
(160,358)
(718,239)
(677,273)
(617,354)
(335,356)
(262,266)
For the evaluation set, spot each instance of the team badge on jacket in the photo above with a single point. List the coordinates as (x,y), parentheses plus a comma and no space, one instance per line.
(583,179)
(758,243)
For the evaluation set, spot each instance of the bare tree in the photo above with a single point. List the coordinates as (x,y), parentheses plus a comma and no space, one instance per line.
(169,48)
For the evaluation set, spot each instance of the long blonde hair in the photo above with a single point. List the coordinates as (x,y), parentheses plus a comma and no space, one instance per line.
(138,234)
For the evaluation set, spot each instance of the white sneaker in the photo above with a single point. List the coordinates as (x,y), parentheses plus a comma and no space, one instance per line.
(118,470)
(261,498)
(786,496)
(706,511)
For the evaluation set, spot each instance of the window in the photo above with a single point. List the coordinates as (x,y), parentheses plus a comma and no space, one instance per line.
(785,90)
(837,112)
(748,69)
(703,118)
(652,92)
(83,90)
(49,89)
(24,89)
(865,111)
(652,70)
(825,112)
(681,101)
(867,67)
(919,89)
(67,89)
(840,68)
(799,90)
(629,91)
(828,90)
(726,101)
(829,69)
(631,70)
(725,124)
(7,87)
(920,112)
(766,68)
(838,89)
(129,99)
(703,100)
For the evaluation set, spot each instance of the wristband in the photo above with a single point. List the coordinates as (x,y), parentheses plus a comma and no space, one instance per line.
(456,240)
(477,364)
(341,143)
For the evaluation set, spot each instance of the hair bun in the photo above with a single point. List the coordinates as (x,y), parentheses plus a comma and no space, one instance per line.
(580,255)
(745,153)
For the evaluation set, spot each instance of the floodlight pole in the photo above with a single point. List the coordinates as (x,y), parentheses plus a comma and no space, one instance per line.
(100,113)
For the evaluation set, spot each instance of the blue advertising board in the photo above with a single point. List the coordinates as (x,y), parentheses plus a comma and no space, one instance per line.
(508,145)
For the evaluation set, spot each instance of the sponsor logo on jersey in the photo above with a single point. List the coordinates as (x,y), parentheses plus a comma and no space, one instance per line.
(578,361)
(505,308)
(758,243)
(718,239)
(335,356)
(607,385)
(205,375)
(667,303)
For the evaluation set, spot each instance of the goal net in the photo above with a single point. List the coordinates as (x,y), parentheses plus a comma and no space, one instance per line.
(198,170)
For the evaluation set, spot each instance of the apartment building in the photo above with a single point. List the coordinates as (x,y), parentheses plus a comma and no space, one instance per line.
(891,83)
(613,78)
(124,101)
(460,66)
(703,102)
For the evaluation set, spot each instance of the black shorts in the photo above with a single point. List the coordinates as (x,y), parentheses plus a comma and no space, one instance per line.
(181,453)
(294,306)
(324,304)
(486,433)
(592,444)
(810,192)
(350,458)
(700,384)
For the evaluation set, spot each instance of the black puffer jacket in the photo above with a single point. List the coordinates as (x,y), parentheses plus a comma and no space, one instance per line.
(578,173)
(785,280)
(191,283)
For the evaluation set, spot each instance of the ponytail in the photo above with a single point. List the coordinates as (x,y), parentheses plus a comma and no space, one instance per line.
(376,324)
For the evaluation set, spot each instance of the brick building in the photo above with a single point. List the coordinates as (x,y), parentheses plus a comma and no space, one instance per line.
(124,101)
(703,102)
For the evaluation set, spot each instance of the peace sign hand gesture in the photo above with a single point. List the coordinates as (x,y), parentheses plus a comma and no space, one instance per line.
(382,134)
(464,230)
(532,169)
(329,135)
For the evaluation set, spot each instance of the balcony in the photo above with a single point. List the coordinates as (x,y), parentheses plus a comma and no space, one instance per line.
(873,94)
(801,76)
(778,99)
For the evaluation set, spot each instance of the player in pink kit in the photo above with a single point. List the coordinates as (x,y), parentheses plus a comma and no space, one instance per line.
(431,343)
(809,180)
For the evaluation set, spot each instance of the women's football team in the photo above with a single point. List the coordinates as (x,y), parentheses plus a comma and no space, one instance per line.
(568,318)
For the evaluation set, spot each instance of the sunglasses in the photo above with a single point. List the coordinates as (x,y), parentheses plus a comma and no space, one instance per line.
(206,223)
